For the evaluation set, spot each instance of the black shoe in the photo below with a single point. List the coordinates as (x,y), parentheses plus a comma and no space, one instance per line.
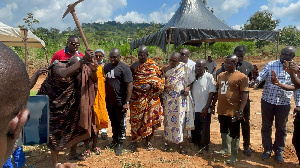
(279,158)
(111,145)
(247,151)
(266,155)
(118,150)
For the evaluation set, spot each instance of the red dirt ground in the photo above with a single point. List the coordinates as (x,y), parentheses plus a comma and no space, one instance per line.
(40,156)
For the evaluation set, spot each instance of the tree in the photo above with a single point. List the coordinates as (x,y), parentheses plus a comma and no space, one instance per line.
(30,21)
(290,36)
(261,20)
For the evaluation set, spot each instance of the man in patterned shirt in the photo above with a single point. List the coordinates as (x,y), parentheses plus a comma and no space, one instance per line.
(296,134)
(275,102)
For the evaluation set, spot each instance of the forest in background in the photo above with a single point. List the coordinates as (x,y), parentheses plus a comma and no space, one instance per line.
(113,34)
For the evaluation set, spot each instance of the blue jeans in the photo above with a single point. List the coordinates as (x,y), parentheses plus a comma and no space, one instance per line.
(268,113)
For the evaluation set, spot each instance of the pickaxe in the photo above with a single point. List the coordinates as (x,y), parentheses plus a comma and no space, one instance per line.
(71,9)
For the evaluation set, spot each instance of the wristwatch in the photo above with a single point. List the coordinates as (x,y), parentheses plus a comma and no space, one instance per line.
(241,112)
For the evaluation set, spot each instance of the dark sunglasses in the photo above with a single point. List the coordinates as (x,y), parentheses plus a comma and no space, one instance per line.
(182,54)
(75,44)
(98,56)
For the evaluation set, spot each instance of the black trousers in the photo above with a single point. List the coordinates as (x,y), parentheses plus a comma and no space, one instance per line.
(268,113)
(201,133)
(246,125)
(296,135)
(226,125)
(118,122)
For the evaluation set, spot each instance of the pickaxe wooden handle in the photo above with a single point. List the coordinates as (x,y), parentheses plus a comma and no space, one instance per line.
(71,9)
(80,29)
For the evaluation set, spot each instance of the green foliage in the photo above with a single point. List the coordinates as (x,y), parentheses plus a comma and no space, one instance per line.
(30,21)
(290,36)
(261,20)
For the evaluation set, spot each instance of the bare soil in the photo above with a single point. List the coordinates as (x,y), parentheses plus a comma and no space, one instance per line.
(40,155)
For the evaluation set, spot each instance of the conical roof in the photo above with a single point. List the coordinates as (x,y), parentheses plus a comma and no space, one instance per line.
(193,14)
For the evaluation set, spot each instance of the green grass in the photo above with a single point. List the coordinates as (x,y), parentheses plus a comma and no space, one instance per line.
(33,93)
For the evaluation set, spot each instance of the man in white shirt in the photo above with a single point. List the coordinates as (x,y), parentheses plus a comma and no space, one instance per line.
(203,89)
(211,66)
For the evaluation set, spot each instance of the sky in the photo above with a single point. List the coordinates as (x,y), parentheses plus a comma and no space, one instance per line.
(234,13)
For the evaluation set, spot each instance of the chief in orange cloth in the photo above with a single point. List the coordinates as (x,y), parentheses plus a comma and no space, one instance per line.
(145,107)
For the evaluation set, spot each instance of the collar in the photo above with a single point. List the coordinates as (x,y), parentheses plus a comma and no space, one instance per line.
(67,51)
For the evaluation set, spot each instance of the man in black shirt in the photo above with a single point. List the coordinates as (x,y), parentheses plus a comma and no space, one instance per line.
(246,68)
(118,89)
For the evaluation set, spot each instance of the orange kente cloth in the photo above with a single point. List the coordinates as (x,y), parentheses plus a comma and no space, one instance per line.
(100,105)
(145,108)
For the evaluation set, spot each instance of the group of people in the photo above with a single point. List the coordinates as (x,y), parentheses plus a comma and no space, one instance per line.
(84,92)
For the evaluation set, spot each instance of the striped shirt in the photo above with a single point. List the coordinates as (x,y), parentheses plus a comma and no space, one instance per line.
(272,93)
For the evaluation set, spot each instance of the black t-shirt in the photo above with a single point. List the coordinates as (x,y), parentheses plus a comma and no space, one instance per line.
(116,77)
(244,67)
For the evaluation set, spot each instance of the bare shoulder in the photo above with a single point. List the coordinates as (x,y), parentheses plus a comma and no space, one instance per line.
(134,65)
(166,68)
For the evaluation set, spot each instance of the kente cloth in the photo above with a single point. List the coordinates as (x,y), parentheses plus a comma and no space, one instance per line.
(178,115)
(64,102)
(145,108)
(100,104)
(88,93)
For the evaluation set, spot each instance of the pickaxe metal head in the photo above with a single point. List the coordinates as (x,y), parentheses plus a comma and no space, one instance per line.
(71,7)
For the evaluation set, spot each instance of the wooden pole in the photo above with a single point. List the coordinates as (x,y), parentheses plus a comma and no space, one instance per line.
(169,42)
(25,45)
(46,56)
(205,50)
(277,50)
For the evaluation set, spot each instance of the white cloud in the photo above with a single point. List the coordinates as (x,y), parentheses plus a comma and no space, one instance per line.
(237,27)
(7,12)
(50,13)
(161,16)
(227,8)
(164,15)
(131,16)
(264,7)
(287,11)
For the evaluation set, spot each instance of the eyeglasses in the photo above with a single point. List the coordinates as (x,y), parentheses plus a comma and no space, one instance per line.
(75,44)
(182,54)
(98,56)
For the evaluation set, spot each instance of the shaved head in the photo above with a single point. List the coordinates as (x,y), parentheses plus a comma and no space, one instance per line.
(143,48)
(201,61)
(175,55)
(185,54)
(174,59)
(114,56)
(14,82)
(143,54)
(14,93)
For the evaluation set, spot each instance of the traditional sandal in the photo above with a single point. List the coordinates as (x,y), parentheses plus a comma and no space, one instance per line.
(97,150)
(78,157)
(133,147)
(104,136)
(182,150)
(165,147)
(149,147)
(87,153)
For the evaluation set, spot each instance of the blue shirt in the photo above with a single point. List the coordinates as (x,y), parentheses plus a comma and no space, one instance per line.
(272,93)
